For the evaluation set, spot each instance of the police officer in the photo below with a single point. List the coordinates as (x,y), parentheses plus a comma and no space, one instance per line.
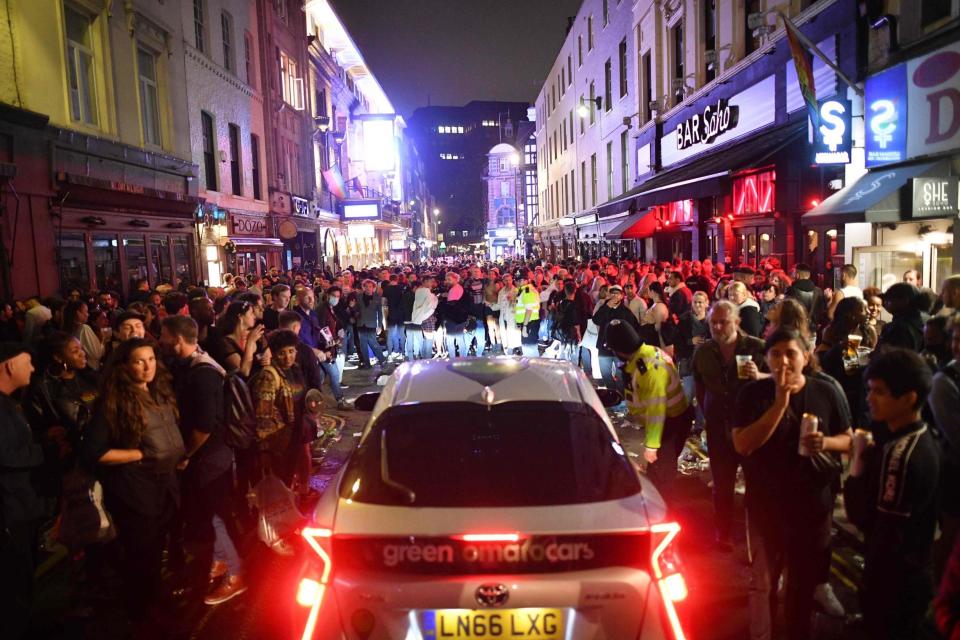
(655,400)
(527,313)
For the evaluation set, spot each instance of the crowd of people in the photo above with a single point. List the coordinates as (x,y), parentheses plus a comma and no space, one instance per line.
(151,397)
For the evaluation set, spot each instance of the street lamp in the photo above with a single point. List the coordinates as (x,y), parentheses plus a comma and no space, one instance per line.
(583,110)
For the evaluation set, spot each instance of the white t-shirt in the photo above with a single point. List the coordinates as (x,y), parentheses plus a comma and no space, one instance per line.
(851,291)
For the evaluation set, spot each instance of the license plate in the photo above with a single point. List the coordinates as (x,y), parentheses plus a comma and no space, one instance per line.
(526,624)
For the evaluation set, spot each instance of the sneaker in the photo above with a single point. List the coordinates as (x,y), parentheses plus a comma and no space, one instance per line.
(343,405)
(348,366)
(217,570)
(824,596)
(228,589)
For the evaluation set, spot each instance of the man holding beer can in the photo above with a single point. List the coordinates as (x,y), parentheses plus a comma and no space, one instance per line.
(788,496)
(892,495)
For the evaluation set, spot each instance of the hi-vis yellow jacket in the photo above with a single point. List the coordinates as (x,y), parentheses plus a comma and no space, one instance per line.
(528,298)
(654,395)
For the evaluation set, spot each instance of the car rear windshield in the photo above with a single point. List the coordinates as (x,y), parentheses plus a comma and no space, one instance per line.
(508,455)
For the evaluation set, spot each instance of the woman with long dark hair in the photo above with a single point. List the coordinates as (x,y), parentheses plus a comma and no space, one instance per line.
(136,446)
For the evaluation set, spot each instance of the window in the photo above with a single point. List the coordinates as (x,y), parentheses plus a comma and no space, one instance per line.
(569,69)
(624,162)
(581,119)
(81,68)
(593,102)
(751,38)
(933,11)
(607,88)
(149,97)
(609,170)
(710,39)
(106,262)
(573,192)
(226,29)
(563,134)
(235,181)
(583,184)
(566,195)
(647,96)
(754,193)
(291,83)
(255,165)
(248,58)
(209,151)
(676,37)
(199,25)
(72,252)
(464,233)
(590,32)
(593,180)
(281,8)
(606,12)
(579,51)
(623,67)
(570,117)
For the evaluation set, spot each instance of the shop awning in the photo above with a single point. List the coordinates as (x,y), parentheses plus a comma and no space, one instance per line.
(634,226)
(706,175)
(874,197)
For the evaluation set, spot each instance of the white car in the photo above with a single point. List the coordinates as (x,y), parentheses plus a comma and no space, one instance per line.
(489,498)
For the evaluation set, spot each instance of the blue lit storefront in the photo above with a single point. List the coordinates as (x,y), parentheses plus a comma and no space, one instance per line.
(898,208)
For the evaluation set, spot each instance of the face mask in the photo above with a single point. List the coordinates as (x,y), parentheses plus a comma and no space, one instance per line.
(334,300)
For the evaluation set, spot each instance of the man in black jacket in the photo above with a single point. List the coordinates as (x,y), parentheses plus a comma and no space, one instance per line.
(20,508)
(804,291)
(393,293)
(614,309)
(406,309)
(906,328)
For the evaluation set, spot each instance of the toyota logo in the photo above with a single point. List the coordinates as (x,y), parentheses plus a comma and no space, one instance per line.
(492,595)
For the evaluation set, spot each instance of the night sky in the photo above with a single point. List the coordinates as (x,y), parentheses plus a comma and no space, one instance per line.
(457,50)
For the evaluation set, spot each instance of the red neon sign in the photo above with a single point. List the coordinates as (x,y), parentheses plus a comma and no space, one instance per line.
(754,193)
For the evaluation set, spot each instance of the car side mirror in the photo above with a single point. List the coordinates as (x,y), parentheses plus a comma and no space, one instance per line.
(608,397)
(366,401)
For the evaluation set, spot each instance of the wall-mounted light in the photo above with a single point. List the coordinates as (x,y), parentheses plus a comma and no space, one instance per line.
(137,222)
(96,220)
(175,225)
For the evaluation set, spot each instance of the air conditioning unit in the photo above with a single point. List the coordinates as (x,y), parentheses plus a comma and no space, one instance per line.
(677,85)
(756,20)
(710,56)
(653,105)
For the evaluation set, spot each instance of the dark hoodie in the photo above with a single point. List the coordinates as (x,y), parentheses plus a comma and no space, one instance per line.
(811,297)
(905,330)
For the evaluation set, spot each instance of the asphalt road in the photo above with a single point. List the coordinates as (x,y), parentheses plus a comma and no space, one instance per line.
(715,610)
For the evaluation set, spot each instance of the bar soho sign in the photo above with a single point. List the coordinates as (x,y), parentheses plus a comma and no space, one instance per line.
(301,206)
(705,127)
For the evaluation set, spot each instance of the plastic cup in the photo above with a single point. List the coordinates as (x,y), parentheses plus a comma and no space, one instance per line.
(742,366)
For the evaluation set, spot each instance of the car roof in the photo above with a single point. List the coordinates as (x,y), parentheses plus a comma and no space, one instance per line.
(488,381)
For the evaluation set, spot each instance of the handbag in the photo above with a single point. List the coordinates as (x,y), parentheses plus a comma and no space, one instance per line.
(83,518)
(589,339)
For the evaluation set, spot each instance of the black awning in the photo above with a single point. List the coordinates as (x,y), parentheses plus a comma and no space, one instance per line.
(874,197)
(709,175)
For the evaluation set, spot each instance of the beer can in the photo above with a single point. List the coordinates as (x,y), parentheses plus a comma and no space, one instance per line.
(809,423)
(861,440)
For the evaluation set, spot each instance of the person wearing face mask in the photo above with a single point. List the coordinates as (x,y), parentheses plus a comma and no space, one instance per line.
(788,497)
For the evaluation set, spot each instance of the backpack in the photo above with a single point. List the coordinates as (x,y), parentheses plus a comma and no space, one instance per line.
(239,416)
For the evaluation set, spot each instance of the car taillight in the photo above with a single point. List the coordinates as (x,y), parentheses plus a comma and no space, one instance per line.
(313,584)
(666,571)
(488,537)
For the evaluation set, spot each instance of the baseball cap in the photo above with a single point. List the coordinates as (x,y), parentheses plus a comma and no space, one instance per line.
(615,287)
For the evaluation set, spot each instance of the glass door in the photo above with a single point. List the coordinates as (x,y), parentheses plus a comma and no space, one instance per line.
(135,254)
(106,262)
(160,268)
(941,265)
(883,266)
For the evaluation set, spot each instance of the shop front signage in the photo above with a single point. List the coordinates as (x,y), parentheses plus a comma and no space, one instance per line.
(301,206)
(831,141)
(243,225)
(704,127)
(360,210)
(934,102)
(885,102)
(935,197)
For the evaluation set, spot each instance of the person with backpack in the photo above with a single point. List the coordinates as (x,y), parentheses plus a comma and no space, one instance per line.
(207,479)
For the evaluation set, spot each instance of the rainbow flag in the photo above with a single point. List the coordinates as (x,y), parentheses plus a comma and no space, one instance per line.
(335,182)
(801,60)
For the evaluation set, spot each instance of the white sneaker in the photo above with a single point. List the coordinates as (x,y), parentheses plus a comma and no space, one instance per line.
(824,596)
